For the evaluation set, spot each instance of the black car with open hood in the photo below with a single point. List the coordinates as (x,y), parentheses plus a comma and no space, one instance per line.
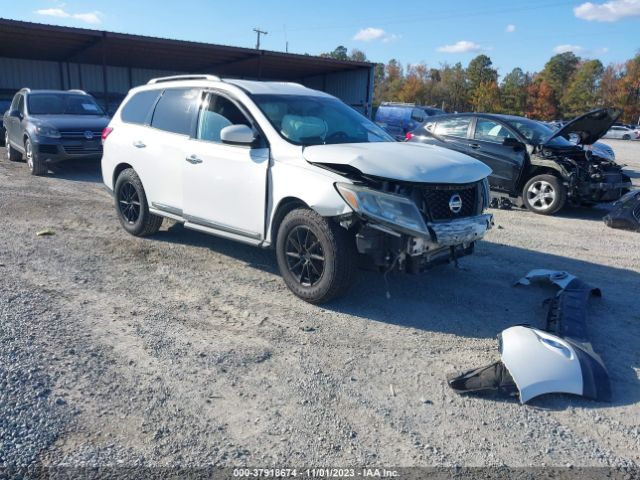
(533,165)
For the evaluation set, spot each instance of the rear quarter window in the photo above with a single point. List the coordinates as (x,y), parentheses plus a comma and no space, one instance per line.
(138,108)
(453,127)
(176,111)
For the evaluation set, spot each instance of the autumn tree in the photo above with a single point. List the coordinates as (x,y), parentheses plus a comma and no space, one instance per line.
(541,103)
(557,73)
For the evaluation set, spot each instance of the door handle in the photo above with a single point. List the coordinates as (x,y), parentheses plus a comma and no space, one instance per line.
(475,146)
(139,144)
(193,159)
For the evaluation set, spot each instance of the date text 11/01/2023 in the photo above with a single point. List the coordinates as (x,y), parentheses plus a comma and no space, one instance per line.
(314,473)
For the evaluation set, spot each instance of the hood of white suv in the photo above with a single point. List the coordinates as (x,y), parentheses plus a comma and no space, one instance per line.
(409,162)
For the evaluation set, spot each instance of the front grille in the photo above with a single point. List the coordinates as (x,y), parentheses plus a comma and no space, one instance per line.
(438,197)
(83,148)
(80,134)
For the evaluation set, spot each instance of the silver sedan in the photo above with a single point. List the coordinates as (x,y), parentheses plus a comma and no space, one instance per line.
(623,133)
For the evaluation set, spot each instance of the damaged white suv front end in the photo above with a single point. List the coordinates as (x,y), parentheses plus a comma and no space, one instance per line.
(414,206)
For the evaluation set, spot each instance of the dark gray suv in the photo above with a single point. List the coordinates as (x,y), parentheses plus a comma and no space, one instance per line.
(44,126)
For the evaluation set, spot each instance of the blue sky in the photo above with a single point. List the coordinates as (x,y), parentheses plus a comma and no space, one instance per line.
(512,33)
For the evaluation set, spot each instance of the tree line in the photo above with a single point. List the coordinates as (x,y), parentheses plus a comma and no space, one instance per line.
(566,87)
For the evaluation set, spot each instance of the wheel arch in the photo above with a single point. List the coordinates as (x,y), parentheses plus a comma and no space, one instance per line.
(285,206)
(542,167)
(118,170)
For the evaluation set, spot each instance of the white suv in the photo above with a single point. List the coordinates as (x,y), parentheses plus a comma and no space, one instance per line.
(279,164)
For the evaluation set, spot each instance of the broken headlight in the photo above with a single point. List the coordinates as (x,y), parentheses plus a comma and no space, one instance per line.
(387,208)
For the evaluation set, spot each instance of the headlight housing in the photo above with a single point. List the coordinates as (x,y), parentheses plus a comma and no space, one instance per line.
(47,131)
(389,209)
(486,194)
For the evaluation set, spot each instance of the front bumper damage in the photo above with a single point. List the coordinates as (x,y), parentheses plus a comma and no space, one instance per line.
(448,241)
(558,359)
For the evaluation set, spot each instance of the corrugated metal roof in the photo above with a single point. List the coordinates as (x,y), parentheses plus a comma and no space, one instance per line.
(65,44)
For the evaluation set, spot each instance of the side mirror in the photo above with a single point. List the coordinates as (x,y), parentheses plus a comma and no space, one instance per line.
(15,114)
(511,142)
(237,135)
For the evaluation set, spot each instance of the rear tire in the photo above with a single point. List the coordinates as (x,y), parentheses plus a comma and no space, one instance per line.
(544,194)
(132,207)
(316,257)
(36,166)
(12,154)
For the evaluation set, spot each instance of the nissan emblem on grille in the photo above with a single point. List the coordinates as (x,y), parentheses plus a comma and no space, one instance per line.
(455,203)
(88,134)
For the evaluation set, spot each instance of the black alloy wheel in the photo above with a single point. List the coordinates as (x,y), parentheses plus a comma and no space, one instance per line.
(129,203)
(305,256)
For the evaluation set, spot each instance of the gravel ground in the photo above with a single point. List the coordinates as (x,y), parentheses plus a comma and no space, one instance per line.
(188,349)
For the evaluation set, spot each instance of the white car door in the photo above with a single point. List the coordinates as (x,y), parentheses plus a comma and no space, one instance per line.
(224,186)
(161,147)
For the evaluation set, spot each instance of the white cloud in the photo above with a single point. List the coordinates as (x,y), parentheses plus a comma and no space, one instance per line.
(568,48)
(88,17)
(611,11)
(370,34)
(577,49)
(463,46)
(53,12)
(510,28)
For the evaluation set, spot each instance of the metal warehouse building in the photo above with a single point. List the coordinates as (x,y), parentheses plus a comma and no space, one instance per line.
(108,64)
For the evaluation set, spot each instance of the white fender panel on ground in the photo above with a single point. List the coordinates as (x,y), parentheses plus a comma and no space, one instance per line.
(540,363)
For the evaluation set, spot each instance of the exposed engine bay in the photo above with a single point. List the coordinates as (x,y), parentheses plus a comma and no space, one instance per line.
(452,215)
(589,178)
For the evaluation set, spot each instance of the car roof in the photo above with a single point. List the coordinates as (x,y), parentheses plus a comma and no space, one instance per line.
(497,116)
(248,86)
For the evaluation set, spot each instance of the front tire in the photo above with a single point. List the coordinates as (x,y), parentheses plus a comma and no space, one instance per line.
(316,257)
(132,207)
(544,194)
(626,136)
(36,166)
(12,154)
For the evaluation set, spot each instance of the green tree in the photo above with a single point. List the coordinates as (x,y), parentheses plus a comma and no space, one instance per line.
(557,73)
(513,92)
(453,88)
(340,53)
(357,55)
(480,71)
(582,93)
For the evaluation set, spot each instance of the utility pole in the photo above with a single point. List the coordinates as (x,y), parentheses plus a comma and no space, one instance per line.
(259,32)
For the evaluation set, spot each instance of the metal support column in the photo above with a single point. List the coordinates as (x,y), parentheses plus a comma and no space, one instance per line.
(104,71)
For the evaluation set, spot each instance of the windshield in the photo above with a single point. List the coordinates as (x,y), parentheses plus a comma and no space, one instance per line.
(537,133)
(312,120)
(62,104)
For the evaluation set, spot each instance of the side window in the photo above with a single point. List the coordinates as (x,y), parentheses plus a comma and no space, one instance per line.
(176,110)
(139,107)
(453,127)
(490,131)
(217,113)
(418,115)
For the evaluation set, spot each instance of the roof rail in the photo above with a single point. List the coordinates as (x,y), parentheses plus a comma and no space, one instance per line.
(184,77)
(77,90)
(402,104)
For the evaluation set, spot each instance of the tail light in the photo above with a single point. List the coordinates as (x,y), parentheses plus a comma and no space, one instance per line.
(106,132)
(408,136)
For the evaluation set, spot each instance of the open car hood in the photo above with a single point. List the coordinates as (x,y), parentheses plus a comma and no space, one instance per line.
(589,127)
(409,162)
